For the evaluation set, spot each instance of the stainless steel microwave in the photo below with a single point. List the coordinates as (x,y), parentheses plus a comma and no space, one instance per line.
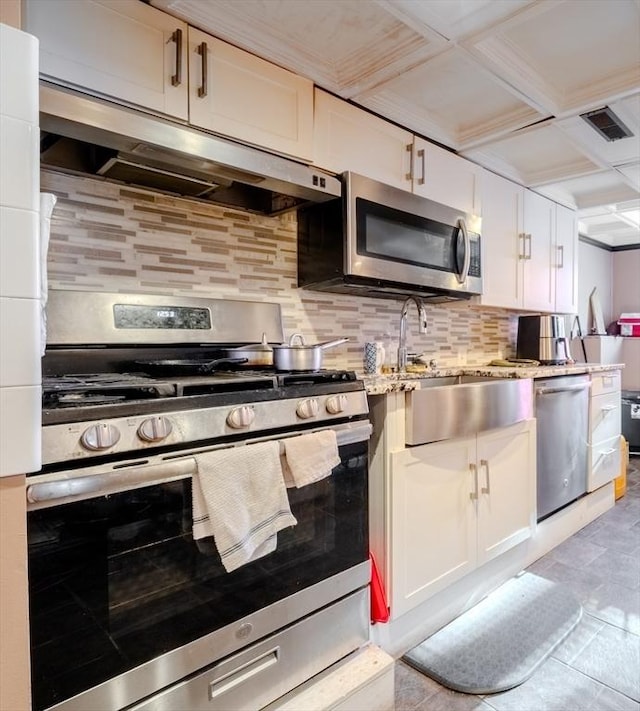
(377,240)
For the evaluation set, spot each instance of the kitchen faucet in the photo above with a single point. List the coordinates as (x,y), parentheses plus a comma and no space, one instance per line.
(422,328)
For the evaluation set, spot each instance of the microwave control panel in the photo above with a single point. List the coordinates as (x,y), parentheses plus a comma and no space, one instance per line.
(474,262)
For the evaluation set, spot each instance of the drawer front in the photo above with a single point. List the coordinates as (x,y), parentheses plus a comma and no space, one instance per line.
(604,463)
(602,383)
(605,417)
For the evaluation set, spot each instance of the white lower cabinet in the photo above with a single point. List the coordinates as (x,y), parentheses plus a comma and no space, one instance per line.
(605,424)
(456,505)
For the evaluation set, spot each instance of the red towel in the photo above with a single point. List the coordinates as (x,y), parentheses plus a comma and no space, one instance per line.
(379,607)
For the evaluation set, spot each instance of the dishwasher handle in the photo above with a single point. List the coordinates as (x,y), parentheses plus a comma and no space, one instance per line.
(562,389)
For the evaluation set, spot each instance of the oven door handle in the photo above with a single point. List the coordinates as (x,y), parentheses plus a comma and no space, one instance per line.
(353,432)
(65,490)
(54,490)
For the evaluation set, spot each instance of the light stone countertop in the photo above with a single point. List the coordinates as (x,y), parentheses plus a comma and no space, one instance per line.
(398,382)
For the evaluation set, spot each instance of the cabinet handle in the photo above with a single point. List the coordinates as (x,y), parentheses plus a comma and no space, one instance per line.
(176,79)
(561,260)
(608,408)
(409,175)
(244,673)
(522,250)
(423,165)
(527,238)
(203,52)
(608,452)
(485,489)
(473,495)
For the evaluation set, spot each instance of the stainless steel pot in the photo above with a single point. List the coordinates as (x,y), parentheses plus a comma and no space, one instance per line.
(299,356)
(257,354)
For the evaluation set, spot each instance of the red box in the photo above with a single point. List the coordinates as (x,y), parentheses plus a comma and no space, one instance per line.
(629,326)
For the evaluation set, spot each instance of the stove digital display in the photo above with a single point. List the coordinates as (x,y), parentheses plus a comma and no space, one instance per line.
(162,317)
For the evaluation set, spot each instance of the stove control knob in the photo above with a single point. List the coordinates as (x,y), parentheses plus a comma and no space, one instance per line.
(336,404)
(307,408)
(241,417)
(155,429)
(99,437)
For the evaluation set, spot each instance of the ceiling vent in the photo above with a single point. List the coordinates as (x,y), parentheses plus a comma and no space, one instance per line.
(607,124)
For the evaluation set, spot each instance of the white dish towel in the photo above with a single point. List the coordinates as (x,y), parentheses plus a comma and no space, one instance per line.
(309,457)
(47,203)
(240,499)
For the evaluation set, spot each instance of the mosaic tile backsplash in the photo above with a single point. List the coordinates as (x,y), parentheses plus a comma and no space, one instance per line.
(109,237)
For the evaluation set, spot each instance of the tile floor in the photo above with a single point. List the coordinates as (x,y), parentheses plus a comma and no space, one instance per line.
(597,668)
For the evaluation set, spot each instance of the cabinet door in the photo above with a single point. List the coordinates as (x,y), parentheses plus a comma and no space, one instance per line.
(502,242)
(124,50)
(445,177)
(539,277)
(348,138)
(433,524)
(507,494)
(605,416)
(603,462)
(566,260)
(237,94)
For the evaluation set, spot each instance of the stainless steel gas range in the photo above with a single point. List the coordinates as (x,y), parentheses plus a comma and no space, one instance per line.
(127,610)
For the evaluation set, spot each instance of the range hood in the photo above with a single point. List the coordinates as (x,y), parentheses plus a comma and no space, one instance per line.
(90,136)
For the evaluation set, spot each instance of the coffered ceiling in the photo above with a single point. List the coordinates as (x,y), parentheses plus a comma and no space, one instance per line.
(502,82)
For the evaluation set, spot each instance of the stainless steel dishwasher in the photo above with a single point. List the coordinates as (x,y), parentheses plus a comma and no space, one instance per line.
(562,414)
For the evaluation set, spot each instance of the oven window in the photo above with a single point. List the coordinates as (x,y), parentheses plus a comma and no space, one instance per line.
(118,580)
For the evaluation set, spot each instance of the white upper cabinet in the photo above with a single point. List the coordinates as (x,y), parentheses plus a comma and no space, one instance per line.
(348,138)
(538,273)
(502,248)
(529,249)
(133,53)
(238,94)
(124,50)
(443,176)
(566,260)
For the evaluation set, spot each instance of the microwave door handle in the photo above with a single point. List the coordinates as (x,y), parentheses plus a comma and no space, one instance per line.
(462,277)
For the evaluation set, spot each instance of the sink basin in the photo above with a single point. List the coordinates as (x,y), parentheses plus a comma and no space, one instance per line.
(463,405)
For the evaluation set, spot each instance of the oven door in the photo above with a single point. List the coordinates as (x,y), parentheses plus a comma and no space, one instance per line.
(123,602)
(396,236)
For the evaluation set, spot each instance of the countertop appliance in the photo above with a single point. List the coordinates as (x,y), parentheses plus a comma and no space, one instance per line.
(542,338)
(382,241)
(562,413)
(127,609)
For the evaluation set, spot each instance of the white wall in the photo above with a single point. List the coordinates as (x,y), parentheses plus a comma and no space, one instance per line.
(595,268)
(626,282)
